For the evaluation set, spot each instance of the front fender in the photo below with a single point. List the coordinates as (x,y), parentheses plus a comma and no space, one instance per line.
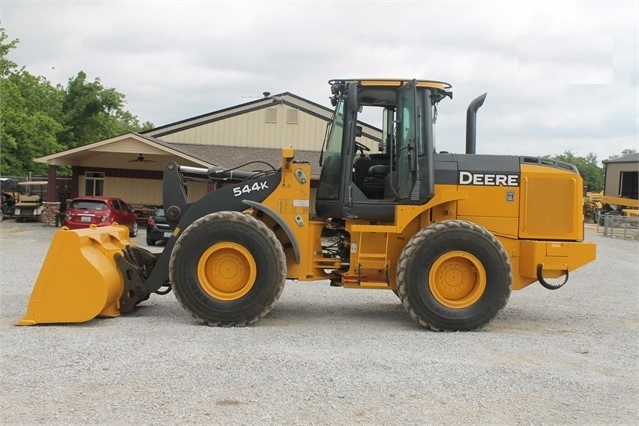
(278,219)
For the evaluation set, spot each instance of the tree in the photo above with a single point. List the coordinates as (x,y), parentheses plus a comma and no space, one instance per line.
(5,47)
(92,113)
(30,122)
(624,153)
(30,119)
(592,174)
(39,119)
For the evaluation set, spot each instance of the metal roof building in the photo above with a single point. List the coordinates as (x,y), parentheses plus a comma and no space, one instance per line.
(130,165)
(622,177)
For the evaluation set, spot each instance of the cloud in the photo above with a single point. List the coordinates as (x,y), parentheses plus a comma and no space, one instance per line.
(559,75)
(574,59)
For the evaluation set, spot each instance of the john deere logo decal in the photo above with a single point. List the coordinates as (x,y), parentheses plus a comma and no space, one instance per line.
(488,179)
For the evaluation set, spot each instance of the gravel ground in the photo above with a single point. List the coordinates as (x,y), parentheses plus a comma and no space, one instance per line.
(327,355)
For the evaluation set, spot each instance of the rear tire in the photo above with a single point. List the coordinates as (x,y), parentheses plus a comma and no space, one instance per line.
(227,269)
(454,275)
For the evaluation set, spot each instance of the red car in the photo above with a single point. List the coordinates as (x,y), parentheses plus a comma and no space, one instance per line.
(100,211)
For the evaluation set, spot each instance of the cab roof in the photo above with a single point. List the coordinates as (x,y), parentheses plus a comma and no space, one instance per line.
(394,82)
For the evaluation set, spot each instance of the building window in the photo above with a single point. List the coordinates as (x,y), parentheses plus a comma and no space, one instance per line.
(628,182)
(94,183)
(292,116)
(271,115)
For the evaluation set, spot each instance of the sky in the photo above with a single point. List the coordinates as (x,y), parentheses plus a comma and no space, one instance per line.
(560,75)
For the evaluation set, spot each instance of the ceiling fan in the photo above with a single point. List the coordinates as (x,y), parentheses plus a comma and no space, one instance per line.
(140,159)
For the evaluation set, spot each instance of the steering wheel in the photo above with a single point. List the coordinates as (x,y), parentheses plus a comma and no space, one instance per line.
(361,147)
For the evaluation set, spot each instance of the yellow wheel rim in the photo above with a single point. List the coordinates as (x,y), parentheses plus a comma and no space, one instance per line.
(226,271)
(457,279)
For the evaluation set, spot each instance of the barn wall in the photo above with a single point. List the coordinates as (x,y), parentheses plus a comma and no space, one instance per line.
(278,126)
(146,192)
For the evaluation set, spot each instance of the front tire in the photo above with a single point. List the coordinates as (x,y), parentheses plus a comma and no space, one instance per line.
(454,275)
(227,269)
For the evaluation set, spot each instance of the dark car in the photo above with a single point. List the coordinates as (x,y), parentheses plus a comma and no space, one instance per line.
(157,228)
(100,211)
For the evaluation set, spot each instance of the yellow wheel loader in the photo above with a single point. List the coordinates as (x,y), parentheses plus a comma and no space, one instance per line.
(450,234)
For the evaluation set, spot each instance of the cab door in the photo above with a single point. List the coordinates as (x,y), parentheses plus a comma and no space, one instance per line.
(414,144)
(407,137)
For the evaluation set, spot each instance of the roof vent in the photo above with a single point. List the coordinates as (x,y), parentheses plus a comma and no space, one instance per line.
(266,94)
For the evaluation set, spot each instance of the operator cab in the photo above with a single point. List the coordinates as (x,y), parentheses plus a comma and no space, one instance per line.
(355,183)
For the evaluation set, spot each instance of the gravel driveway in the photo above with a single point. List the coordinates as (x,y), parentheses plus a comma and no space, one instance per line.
(327,355)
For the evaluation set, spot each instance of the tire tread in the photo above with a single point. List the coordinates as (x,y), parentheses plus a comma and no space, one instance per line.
(418,240)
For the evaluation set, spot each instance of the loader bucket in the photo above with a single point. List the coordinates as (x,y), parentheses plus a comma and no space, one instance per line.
(79,279)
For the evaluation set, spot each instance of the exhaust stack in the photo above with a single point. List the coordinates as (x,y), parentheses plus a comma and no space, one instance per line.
(471,123)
